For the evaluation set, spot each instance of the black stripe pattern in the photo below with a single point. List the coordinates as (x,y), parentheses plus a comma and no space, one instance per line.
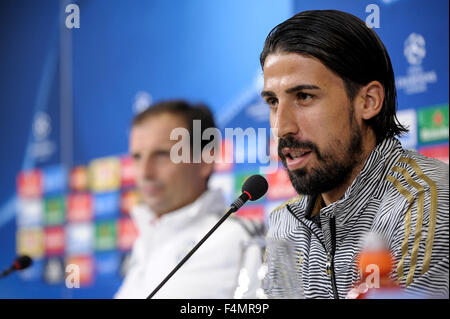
(399,194)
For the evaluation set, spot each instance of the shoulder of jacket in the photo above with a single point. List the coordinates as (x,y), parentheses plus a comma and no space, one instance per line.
(292,200)
(412,169)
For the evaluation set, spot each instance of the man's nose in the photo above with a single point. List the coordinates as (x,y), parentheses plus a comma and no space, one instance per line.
(147,169)
(285,120)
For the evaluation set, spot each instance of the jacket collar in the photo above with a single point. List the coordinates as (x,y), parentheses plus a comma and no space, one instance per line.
(210,202)
(362,187)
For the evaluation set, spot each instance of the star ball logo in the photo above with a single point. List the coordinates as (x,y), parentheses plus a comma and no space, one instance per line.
(416,80)
(414,49)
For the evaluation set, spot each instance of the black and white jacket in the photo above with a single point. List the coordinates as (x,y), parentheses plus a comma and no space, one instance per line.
(399,194)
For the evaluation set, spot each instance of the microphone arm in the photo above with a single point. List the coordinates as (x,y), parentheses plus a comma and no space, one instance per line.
(233,208)
(6,272)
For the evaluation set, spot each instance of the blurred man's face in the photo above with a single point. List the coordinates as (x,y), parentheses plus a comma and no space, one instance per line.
(319,137)
(164,185)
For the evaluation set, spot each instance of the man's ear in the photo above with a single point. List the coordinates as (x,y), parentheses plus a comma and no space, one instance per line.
(370,100)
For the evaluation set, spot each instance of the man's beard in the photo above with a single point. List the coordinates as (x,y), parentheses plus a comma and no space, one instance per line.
(334,168)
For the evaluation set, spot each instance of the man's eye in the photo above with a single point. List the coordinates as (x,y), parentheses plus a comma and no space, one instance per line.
(304,96)
(271,101)
(162,153)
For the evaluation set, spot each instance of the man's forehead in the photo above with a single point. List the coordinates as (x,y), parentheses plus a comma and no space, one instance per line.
(155,130)
(286,63)
(292,69)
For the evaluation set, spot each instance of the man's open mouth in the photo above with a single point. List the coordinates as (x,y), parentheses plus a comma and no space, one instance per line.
(291,153)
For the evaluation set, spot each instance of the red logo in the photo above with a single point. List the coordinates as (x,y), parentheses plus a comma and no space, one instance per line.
(127,234)
(79,207)
(252,212)
(438,118)
(127,171)
(29,183)
(85,264)
(54,241)
(439,152)
(280,185)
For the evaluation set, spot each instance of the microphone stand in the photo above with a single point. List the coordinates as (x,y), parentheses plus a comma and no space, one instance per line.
(232,209)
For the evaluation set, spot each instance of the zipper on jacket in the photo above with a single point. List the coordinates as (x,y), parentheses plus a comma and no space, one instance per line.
(330,257)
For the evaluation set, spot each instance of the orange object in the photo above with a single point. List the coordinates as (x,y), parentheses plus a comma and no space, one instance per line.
(375,266)
(381,259)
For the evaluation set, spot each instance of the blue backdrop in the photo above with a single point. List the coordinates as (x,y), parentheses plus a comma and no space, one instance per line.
(67,96)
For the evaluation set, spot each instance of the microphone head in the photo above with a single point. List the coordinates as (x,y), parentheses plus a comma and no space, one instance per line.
(255,186)
(22,262)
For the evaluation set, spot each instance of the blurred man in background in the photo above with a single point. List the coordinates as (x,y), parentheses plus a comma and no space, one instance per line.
(330,87)
(178,209)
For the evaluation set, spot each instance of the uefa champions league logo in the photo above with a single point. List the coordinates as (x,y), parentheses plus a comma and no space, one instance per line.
(42,147)
(415,49)
(416,80)
(41,126)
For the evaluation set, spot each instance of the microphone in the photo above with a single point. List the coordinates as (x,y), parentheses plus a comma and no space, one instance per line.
(20,263)
(253,189)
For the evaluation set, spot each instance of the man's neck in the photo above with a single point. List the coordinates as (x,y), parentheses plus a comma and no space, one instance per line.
(337,193)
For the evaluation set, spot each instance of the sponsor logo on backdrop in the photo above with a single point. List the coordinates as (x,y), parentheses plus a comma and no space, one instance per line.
(29,212)
(439,152)
(105,235)
(84,264)
(280,186)
(107,205)
(54,179)
(54,241)
(54,270)
(78,180)
(253,212)
(54,210)
(42,147)
(127,234)
(29,183)
(417,79)
(433,123)
(127,172)
(79,238)
(105,174)
(79,207)
(30,241)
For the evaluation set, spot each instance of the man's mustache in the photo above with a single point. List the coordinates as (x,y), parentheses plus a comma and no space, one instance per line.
(291,142)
